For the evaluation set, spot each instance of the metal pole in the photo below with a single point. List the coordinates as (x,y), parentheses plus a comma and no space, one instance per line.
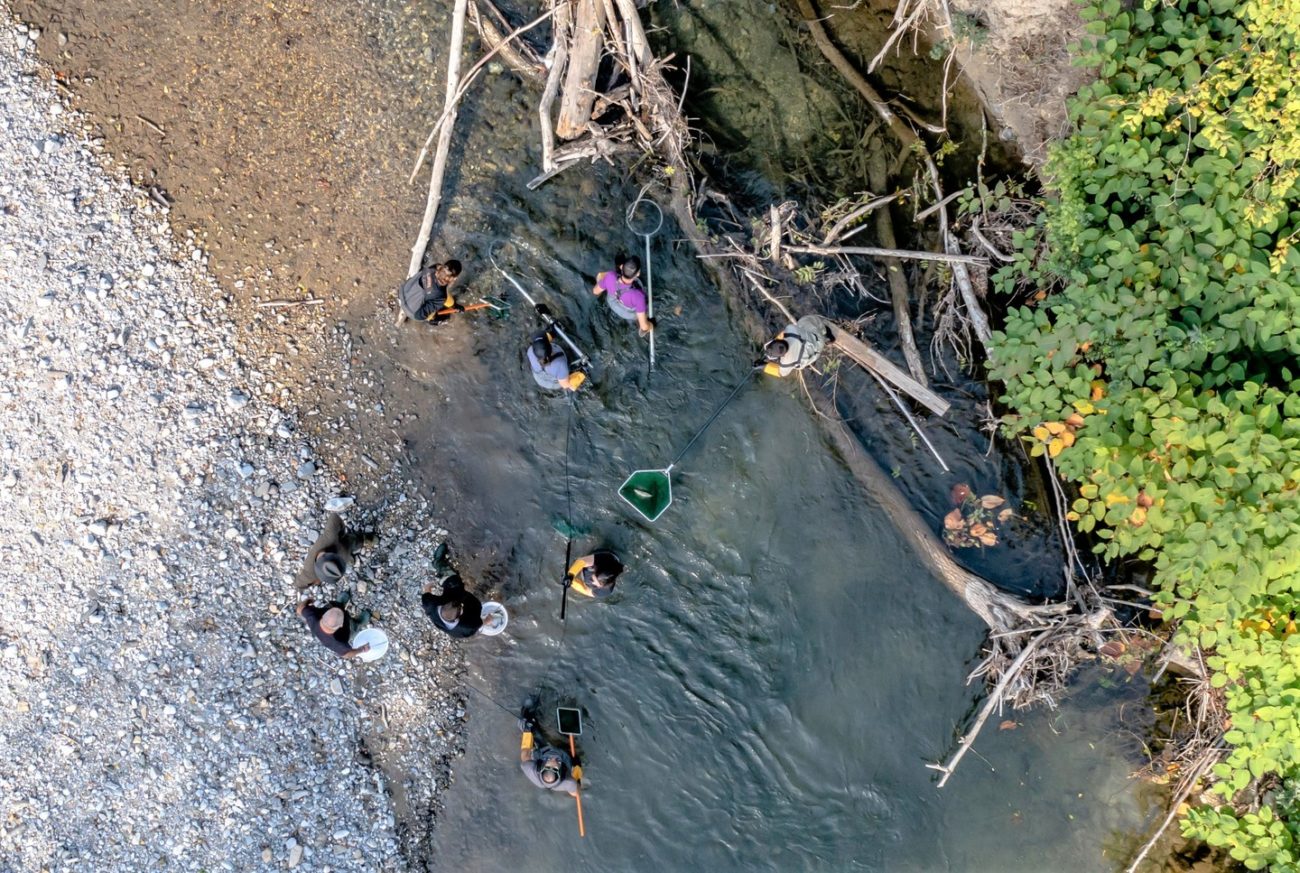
(581,359)
(650,300)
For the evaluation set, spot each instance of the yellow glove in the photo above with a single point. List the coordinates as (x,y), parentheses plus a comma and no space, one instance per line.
(526,741)
(772,369)
(577,772)
(576,380)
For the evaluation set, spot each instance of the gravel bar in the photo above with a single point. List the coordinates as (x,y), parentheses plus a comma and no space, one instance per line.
(161,706)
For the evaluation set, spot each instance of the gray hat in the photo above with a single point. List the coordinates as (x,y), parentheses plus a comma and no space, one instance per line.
(330,567)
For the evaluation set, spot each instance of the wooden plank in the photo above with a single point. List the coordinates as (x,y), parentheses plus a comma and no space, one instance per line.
(886,369)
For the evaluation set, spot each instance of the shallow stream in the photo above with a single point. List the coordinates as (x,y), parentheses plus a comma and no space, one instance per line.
(765,688)
(775,670)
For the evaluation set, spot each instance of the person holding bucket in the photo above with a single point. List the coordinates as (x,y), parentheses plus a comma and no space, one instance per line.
(594,575)
(626,298)
(333,627)
(550,365)
(797,347)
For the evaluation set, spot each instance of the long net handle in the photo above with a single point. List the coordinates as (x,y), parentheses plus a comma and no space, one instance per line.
(714,417)
(650,300)
(577,792)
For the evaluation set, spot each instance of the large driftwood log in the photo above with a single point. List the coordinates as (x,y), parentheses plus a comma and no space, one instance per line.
(444,143)
(579,92)
(866,356)
(558,58)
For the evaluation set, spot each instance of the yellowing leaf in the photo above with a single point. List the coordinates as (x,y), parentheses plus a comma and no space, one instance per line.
(1084,407)
(1055,447)
(1115,498)
(1042,433)
(1055,427)
(1139,517)
(1067,438)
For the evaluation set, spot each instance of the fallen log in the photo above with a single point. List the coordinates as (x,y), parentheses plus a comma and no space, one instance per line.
(864,354)
(444,144)
(898,293)
(579,92)
(558,58)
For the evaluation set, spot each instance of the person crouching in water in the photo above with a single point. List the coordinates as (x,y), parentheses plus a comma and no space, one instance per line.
(797,347)
(626,298)
(595,574)
(550,365)
(546,766)
(427,295)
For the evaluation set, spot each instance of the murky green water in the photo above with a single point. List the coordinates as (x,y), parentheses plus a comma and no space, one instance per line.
(764,690)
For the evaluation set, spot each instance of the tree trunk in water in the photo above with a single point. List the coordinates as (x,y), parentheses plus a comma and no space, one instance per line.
(879,179)
(999,610)
(579,93)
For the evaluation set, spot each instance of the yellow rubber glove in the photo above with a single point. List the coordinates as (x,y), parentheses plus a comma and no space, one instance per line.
(772,369)
(576,380)
(526,741)
(577,772)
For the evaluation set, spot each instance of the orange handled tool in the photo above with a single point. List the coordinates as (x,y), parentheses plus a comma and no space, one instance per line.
(577,795)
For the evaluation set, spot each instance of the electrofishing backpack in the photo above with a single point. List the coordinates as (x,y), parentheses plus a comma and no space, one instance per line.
(413,292)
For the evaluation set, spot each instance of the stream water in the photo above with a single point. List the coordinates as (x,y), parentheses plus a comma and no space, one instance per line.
(765,688)
(774,672)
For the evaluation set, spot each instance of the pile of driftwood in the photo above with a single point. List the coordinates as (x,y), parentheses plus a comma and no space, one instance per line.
(610,89)
(603,94)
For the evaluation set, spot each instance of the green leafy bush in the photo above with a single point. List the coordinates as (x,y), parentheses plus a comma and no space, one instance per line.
(1162,374)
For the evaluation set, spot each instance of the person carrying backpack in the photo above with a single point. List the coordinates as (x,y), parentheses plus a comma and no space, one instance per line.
(427,296)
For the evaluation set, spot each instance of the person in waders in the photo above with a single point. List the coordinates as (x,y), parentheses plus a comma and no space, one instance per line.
(454,611)
(797,347)
(546,766)
(427,296)
(550,365)
(594,575)
(626,298)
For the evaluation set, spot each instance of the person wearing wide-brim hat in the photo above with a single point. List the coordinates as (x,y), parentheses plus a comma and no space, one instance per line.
(330,557)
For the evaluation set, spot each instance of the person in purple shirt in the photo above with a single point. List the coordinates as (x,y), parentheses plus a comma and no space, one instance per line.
(626,298)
